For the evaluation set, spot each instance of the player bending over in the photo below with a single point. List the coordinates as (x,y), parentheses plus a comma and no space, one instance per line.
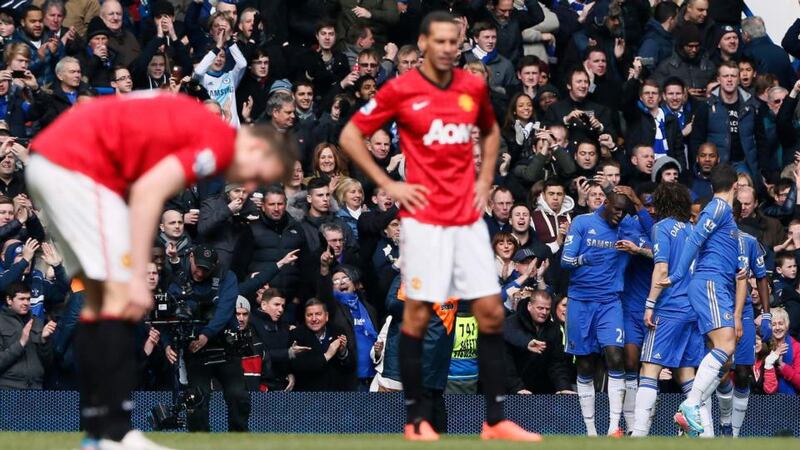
(102,173)
(716,293)
(673,339)
(444,243)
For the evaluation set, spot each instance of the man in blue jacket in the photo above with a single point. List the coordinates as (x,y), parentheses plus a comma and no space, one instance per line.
(769,57)
(729,120)
(657,42)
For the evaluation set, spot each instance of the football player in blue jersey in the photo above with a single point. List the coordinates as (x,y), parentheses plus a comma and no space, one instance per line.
(594,312)
(716,293)
(635,241)
(734,396)
(673,339)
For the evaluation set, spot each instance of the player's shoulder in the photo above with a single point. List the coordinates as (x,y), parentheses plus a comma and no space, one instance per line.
(583,219)
(664,223)
(747,237)
(717,208)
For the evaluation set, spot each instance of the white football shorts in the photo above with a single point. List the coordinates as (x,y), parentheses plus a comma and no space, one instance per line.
(88,221)
(440,262)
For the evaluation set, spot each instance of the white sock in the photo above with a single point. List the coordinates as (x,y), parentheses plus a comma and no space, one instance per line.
(725,399)
(706,375)
(708,420)
(740,399)
(586,397)
(629,405)
(709,391)
(646,397)
(616,395)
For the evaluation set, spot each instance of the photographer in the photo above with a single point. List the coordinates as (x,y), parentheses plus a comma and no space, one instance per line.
(210,296)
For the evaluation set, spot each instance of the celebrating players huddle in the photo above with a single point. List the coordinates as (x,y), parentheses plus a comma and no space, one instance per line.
(697,317)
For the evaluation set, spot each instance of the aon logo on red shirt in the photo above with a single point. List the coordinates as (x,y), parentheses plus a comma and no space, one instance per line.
(450,133)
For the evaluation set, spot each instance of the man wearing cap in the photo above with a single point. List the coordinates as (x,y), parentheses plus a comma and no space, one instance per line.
(666,170)
(253,352)
(224,218)
(726,39)
(689,62)
(98,60)
(528,275)
(211,294)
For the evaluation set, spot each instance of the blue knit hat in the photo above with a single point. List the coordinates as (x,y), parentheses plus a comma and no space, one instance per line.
(281,85)
(11,253)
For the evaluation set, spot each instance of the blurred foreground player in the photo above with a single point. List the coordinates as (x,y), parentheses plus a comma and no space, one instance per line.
(102,175)
(444,243)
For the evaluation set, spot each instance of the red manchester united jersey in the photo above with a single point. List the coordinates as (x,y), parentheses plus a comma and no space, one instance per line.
(115,140)
(435,125)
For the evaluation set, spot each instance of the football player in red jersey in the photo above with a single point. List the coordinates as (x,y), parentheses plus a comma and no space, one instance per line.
(102,173)
(444,243)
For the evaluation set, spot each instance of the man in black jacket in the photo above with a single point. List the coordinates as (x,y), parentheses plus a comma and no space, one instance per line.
(536,361)
(65,92)
(274,333)
(324,66)
(319,212)
(649,124)
(510,22)
(370,231)
(328,365)
(584,119)
(273,236)
(255,84)
(223,221)
(25,350)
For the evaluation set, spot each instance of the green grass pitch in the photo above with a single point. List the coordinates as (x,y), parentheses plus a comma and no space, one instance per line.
(252,441)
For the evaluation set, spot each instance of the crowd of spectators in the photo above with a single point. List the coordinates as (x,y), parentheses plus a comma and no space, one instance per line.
(592,96)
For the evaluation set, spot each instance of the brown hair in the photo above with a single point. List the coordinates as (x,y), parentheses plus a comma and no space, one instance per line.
(338,158)
(286,148)
(503,236)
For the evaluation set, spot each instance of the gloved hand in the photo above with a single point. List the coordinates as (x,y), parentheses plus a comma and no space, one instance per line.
(769,361)
(766,326)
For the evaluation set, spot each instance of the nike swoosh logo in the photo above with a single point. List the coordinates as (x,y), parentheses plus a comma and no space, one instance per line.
(420,105)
